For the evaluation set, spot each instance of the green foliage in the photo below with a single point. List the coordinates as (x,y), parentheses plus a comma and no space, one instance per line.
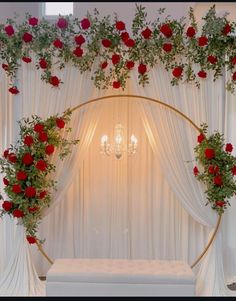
(221,165)
(185,50)
(41,180)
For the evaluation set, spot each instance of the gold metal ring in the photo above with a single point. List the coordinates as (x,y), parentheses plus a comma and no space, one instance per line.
(172,109)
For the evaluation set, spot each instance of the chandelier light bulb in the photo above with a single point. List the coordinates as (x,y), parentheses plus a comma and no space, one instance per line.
(118,147)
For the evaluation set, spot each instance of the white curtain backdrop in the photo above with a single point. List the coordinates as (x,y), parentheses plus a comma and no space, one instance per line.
(105,208)
(120,209)
(173,144)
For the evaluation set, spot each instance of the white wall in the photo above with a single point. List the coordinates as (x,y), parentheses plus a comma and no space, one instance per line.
(125,10)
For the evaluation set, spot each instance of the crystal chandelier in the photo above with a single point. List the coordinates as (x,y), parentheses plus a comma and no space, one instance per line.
(118,147)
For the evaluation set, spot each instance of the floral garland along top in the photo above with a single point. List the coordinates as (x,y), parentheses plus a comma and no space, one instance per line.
(105,44)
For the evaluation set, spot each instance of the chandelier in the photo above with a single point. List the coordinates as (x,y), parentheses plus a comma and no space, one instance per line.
(118,147)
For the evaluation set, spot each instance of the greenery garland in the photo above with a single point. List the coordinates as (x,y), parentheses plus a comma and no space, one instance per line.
(113,52)
(27,168)
(217,169)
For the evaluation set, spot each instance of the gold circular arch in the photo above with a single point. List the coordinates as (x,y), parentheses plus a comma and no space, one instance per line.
(110,97)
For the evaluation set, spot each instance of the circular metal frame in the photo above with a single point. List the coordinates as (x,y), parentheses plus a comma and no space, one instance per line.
(172,109)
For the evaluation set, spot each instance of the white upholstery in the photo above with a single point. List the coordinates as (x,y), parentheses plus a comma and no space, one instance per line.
(117,277)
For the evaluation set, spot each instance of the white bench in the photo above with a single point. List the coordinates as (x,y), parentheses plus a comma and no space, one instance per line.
(119,277)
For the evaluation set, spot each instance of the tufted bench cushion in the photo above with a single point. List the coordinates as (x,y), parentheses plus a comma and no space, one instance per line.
(119,277)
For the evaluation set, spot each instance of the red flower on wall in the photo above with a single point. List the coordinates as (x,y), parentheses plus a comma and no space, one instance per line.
(146,33)
(120,25)
(33,21)
(166,30)
(191,32)
(85,23)
(62,23)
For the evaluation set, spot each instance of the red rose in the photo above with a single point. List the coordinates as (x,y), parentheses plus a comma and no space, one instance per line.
(191,32)
(54,81)
(233,60)
(209,153)
(177,71)
(234,76)
(26,59)
(79,39)
(129,64)
(195,171)
(42,194)
(202,41)
(13,90)
(115,59)
(129,43)
(49,149)
(5,181)
(27,159)
(38,127)
(124,36)
(78,52)
(31,239)
(33,21)
(43,137)
(18,213)
(16,188)
(202,74)
(43,63)
(58,43)
(12,158)
(30,191)
(106,43)
(28,140)
(211,169)
(146,33)
(6,153)
(120,25)
(7,205)
(142,68)
(60,123)
(85,23)
(104,65)
(218,180)
(216,170)
(21,175)
(9,30)
(229,147)
(233,170)
(227,29)
(5,67)
(212,59)
(27,37)
(41,165)
(33,209)
(116,84)
(166,30)
(62,23)
(220,203)
(167,47)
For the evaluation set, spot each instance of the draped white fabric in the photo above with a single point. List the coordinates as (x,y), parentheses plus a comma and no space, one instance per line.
(140,207)
(120,209)
(168,141)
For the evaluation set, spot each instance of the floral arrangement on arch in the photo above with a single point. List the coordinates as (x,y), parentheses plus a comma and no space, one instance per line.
(106,45)
(217,169)
(27,167)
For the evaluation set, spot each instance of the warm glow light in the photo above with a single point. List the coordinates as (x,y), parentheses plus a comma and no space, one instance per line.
(104,139)
(133,139)
(118,148)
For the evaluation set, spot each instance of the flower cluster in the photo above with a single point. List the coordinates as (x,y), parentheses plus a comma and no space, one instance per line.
(27,168)
(106,45)
(217,169)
